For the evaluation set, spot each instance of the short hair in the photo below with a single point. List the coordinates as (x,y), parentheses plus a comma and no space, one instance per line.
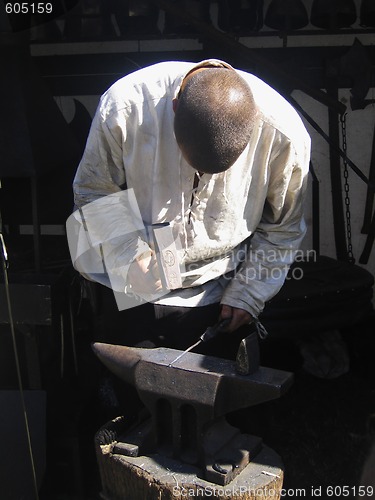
(214,119)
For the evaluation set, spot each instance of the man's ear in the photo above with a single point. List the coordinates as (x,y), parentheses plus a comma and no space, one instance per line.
(174,104)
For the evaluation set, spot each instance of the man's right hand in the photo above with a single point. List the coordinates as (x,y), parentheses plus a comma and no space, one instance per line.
(143,274)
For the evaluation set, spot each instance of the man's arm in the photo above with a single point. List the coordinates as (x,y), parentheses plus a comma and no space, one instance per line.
(101,170)
(278,236)
(107,237)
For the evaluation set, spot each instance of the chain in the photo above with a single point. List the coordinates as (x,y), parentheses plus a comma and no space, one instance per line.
(346,188)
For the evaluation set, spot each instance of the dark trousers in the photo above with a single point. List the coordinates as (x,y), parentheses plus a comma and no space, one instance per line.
(166,326)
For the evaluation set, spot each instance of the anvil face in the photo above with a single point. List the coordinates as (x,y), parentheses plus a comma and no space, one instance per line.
(195,378)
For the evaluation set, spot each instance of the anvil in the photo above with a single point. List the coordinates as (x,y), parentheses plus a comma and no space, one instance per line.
(188,402)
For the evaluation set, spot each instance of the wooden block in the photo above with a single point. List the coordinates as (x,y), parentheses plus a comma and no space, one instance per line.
(156,477)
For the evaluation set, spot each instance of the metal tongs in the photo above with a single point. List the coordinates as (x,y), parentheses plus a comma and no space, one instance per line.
(209,334)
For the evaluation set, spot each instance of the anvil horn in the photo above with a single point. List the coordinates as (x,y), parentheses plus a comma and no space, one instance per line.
(119,360)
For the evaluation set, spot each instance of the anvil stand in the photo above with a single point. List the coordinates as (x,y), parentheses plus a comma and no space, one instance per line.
(186,445)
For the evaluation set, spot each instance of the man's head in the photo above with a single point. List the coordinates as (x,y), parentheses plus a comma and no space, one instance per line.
(214,118)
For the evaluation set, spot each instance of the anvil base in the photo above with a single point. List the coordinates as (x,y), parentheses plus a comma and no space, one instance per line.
(157,476)
(221,466)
